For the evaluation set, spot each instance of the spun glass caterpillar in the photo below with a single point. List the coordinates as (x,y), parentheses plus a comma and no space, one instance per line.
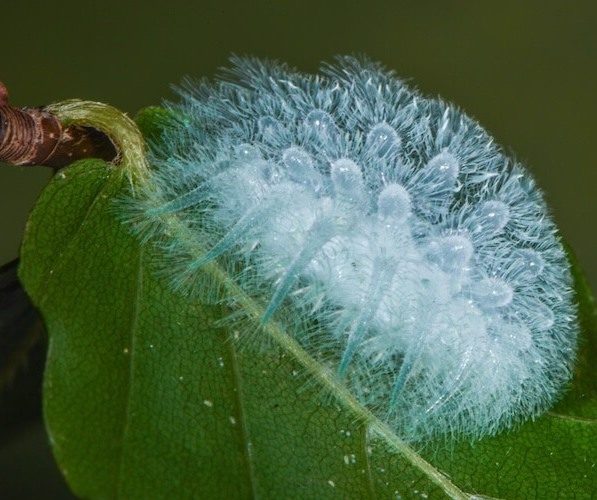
(384,230)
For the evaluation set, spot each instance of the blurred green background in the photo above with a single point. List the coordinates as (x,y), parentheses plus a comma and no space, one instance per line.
(526,70)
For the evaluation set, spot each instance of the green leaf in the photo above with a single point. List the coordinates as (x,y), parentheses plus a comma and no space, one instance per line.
(147,397)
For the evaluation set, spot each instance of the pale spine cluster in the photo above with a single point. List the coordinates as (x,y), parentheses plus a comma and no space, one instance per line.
(384,230)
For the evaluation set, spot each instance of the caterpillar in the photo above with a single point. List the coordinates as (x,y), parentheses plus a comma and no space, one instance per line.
(384,230)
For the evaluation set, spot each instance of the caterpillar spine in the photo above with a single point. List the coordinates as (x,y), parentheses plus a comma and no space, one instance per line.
(385,230)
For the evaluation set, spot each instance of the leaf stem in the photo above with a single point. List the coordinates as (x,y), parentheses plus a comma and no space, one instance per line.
(116,125)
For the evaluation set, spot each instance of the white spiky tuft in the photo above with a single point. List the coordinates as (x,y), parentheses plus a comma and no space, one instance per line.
(384,230)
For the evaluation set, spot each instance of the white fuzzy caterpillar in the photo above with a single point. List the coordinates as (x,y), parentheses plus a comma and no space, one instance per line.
(384,230)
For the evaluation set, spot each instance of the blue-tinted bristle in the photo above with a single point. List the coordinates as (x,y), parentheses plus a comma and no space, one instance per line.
(409,253)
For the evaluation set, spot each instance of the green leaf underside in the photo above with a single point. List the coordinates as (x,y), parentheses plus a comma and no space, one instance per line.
(145,398)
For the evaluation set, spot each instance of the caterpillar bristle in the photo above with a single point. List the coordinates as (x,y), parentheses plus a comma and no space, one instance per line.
(385,231)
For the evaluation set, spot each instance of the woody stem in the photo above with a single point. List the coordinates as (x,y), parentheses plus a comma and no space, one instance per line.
(35,136)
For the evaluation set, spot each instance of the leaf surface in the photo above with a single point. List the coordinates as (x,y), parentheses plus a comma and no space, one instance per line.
(147,397)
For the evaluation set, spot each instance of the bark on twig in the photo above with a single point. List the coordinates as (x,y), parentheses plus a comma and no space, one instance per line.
(34,136)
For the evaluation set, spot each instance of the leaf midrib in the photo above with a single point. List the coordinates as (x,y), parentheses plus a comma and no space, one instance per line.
(288,344)
(254,311)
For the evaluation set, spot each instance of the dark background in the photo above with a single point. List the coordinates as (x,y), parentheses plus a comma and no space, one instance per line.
(526,70)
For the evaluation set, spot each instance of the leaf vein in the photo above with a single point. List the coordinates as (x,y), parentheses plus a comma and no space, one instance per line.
(242,419)
(572,418)
(254,312)
(127,407)
(370,483)
(70,241)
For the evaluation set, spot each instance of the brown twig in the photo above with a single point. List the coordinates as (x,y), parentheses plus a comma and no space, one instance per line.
(3,95)
(34,136)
